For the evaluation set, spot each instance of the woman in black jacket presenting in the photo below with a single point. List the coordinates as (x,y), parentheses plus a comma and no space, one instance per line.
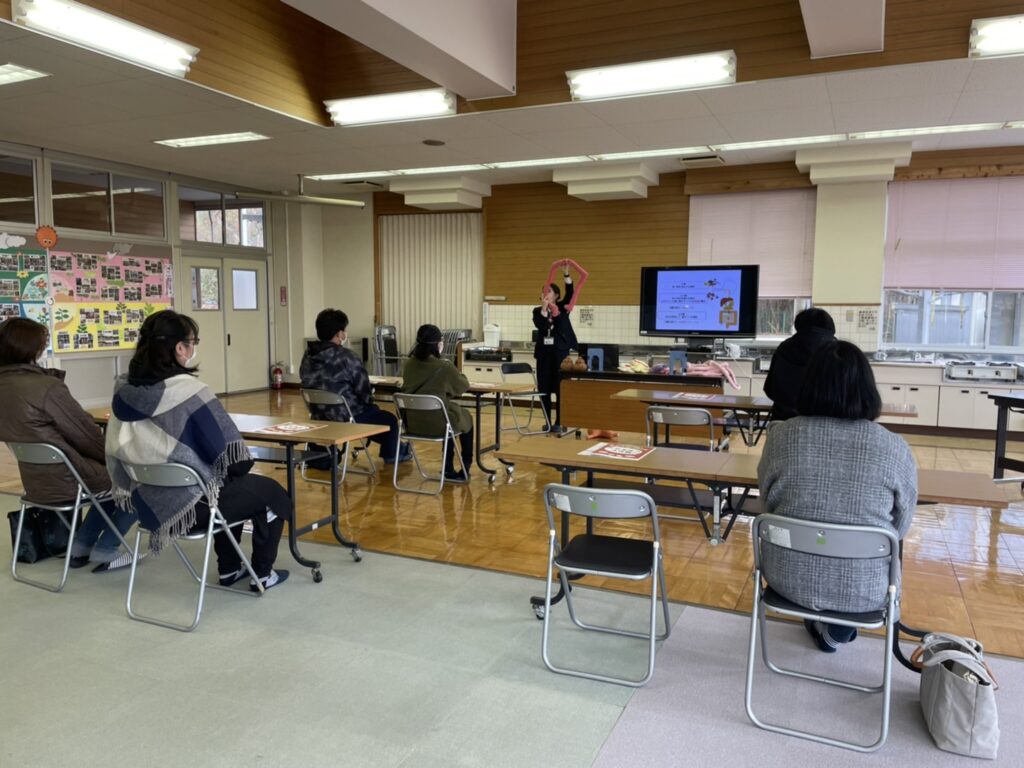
(555,336)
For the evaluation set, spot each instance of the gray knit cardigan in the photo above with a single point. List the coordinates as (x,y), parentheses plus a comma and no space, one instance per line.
(837,471)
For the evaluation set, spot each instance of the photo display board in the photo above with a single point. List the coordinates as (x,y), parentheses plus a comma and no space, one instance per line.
(91,302)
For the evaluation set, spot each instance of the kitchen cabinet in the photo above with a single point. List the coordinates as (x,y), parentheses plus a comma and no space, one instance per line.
(924,397)
(967,407)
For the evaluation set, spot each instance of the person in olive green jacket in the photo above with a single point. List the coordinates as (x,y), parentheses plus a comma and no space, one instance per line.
(427,373)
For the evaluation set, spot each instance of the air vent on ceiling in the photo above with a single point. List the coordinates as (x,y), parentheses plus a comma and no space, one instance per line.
(710,160)
(362,186)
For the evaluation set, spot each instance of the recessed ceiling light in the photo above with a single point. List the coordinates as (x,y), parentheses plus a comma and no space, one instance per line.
(772,143)
(645,153)
(220,138)
(13,73)
(105,33)
(998,36)
(675,74)
(544,161)
(351,176)
(901,133)
(390,107)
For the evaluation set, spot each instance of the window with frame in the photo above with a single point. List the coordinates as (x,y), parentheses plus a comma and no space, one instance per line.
(17,190)
(951,319)
(775,316)
(205,288)
(89,199)
(219,218)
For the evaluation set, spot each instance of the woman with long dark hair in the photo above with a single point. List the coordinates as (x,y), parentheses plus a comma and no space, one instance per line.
(555,335)
(163,413)
(427,373)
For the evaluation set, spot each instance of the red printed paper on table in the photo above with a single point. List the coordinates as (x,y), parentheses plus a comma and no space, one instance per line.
(617,451)
(691,396)
(287,428)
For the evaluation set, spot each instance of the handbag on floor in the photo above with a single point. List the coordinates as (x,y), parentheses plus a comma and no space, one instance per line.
(43,535)
(958,695)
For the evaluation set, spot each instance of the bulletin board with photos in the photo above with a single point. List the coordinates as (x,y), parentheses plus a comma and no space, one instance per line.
(91,302)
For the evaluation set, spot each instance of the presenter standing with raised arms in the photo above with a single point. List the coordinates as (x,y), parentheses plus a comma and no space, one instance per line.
(555,335)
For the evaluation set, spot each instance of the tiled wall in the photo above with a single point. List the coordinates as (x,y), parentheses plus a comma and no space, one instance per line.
(619,324)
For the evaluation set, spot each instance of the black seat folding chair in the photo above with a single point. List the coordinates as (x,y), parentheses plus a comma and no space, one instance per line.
(425,404)
(69,513)
(180,476)
(616,557)
(314,397)
(830,540)
(534,396)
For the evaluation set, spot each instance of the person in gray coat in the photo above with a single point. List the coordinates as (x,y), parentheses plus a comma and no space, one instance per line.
(834,463)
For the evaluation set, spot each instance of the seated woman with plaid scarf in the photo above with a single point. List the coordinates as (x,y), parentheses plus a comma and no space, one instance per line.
(163,413)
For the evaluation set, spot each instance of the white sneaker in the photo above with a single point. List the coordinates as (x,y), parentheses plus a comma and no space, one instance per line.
(275,578)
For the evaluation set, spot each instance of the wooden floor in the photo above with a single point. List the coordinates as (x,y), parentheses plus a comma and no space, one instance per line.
(963,566)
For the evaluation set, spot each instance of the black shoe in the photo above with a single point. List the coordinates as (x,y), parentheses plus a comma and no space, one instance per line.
(275,578)
(227,579)
(822,639)
(121,561)
(461,476)
(78,561)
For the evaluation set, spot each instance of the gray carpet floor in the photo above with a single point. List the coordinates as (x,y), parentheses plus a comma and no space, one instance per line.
(692,712)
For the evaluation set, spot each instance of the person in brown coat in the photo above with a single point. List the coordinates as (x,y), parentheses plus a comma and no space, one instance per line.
(39,408)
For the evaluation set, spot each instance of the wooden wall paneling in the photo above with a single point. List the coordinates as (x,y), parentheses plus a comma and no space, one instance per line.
(745,178)
(963,164)
(529,226)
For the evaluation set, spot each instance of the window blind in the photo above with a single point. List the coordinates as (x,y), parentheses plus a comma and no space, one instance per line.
(772,229)
(431,271)
(960,234)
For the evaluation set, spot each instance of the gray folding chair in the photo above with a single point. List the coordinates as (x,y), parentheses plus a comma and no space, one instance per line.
(387,361)
(424,405)
(534,396)
(180,476)
(616,557)
(673,416)
(830,540)
(332,399)
(45,453)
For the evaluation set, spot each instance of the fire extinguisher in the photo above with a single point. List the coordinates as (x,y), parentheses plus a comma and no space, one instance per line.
(277,376)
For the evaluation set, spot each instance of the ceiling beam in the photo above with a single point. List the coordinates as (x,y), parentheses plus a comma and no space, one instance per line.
(842,28)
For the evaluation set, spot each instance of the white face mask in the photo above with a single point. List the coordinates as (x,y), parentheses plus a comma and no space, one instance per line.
(440,347)
(192,358)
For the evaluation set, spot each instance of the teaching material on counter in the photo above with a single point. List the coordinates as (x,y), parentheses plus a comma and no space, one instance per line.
(617,451)
(699,301)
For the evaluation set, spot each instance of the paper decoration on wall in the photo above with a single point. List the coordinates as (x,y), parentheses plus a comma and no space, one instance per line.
(100,300)
(23,282)
(46,236)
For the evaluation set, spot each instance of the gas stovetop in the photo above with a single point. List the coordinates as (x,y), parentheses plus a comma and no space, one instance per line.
(986,370)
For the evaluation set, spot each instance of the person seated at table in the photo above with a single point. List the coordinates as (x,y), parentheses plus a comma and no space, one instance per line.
(814,327)
(162,413)
(39,408)
(833,463)
(329,365)
(427,373)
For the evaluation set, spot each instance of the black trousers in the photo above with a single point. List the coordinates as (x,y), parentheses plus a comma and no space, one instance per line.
(465,448)
(249,497)
(548,380)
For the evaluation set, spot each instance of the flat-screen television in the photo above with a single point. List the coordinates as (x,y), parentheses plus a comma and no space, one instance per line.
(699,301)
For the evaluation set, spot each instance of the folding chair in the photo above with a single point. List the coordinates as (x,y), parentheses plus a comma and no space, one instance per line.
(173,475)
(534,395)
(387,361)
(45,453)
(614,557)
(853,542)
(424,405)
(323,398)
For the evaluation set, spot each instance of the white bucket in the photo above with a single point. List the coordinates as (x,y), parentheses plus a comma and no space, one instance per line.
(492,335)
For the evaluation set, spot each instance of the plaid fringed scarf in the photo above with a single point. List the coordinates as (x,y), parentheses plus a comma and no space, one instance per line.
(176,420)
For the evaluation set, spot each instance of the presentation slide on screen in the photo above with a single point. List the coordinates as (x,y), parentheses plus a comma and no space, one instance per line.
(705,299)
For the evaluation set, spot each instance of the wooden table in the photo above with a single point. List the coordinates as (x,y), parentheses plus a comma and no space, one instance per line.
(478,390)
(331,434)
(756,409)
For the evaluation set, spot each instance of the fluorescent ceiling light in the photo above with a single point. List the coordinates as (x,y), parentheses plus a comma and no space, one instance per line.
(999,36)
(658,76)
(772,143)
(352,176)
(442,169)
(900,133)
(302,199)
(389,107)
(12,73)
(544,161)
(106,34)
(641,154)
(220,138)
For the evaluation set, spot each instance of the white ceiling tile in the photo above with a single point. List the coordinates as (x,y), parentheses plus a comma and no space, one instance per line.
(932,78)
(552,118)
(924,111)
(491,150)
(675,133)
(1003,138)
(779,124)
(990,106)
(760,96)
(990,74)
(583,142)
(662,106)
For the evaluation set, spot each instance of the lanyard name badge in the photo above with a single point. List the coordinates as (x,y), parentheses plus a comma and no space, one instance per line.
(549,340)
